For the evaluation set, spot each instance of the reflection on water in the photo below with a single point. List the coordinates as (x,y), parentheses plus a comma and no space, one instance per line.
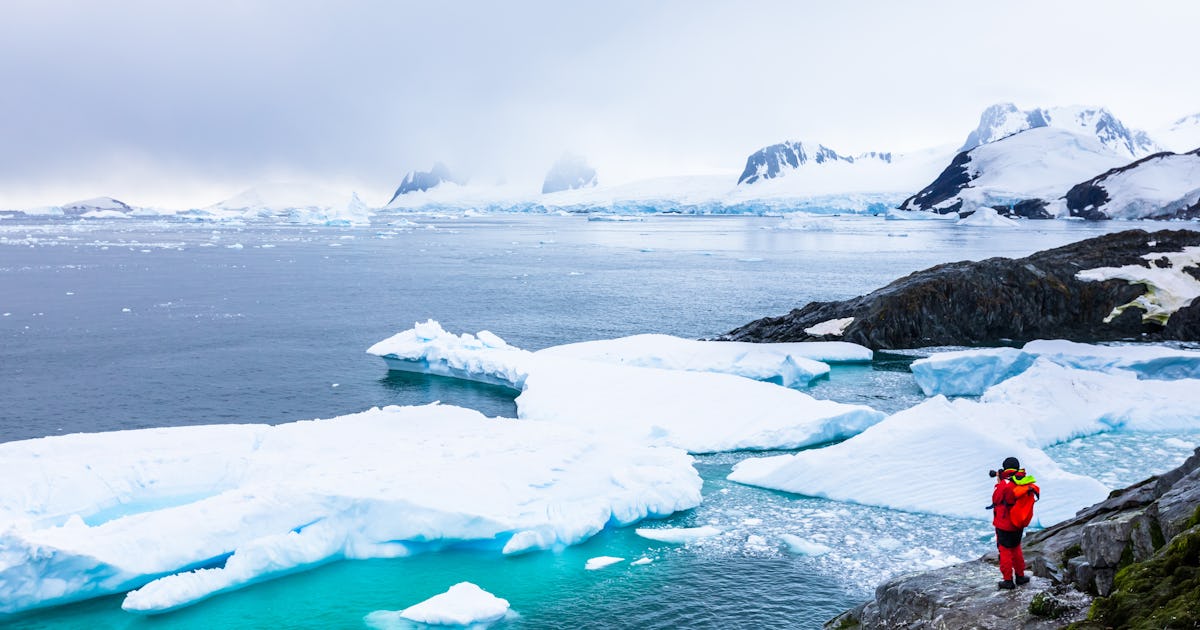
(490,400)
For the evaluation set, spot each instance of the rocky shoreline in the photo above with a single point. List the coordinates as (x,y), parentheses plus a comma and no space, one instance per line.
(1130,561)
(1002,301)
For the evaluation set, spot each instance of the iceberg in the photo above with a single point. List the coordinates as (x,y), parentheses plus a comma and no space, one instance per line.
(970,372)
(184,513)
(464,604)
(702,412)
(677,534)
(787,364)
(948,446)
(599,562)
(802,547)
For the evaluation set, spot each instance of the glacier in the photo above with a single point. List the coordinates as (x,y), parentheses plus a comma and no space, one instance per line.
(656,405)
(183,513)
(971,372)
(932,457)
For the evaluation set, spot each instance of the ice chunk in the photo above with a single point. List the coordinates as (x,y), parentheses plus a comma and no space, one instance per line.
(950,445)
(931,458)
(785,363)
(970,372)
(465,604)
(802,547)
(677,534)
(702,412)
(598,385)
(600,562)
(641,561)
(833,327)
(987,217)
(93,514)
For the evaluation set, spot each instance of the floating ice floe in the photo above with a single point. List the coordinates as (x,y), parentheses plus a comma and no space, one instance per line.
(183,513)
(678,534)
(803,547)
(970,372)
(934,457)
(600,562)
(987,217)
(465,604)
(699,411)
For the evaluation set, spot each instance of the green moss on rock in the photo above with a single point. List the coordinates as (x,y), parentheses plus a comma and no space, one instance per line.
(1162,592)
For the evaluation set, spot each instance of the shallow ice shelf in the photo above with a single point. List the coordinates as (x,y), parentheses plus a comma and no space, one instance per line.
(701,410)
(382,483)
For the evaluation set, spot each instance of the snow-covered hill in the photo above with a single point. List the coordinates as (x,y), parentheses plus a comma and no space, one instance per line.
(1162,186)
(568,173)
(1037,164)
(1180,136)
(1005,119)
(780,159)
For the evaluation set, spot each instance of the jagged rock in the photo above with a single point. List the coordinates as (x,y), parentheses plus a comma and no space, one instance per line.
(998,301)
(1071,561)
(418,181)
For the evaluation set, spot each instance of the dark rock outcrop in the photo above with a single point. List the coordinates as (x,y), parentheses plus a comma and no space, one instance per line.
(948,184)
(417,181)
(1000,300)
(568,173)
(777,159)
(1072,564)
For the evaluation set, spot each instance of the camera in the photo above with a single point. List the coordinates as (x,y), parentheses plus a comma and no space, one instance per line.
(993,473)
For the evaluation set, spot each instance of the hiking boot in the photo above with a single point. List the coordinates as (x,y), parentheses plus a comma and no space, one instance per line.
(1006,585)
(1021,579)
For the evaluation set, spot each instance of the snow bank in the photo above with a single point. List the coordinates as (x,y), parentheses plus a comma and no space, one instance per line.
(88,515)
(785,363)
(934,457)
(1169,287)
(970,372)
(696,411)
(677,534)
(465,604)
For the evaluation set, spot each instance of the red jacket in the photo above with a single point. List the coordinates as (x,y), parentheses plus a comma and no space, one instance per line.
(1003,500)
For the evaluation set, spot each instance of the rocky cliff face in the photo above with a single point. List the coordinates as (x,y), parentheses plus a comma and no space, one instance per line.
(1108,553)
(1002,300)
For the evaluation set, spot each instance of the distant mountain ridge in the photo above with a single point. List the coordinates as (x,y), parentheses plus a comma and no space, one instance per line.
(778,159)
(1005,119)
(420,181)
(568,173)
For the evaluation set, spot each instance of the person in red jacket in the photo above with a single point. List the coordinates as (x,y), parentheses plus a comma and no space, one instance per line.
(1011,484)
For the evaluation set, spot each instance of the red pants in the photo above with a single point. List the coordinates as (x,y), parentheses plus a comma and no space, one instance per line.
(1012,561)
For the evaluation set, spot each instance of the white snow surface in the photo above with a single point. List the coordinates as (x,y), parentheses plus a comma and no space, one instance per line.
(687,409)
(464,604)
(933,457)
(292,202)
(833,327)
(677,534)
(786,363)
(91,514)
(1180,136)
(1040,163)
(1168,287)
(971,372)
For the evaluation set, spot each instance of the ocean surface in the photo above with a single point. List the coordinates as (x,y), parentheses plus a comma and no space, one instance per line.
(121,324)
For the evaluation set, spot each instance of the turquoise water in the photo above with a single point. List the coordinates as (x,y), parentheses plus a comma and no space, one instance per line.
(121,325)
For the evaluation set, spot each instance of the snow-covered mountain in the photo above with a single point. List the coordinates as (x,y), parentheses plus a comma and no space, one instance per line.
(1005,119)
(1036,164)
(778,160)
(420,181)
(97,207)
(1180,136)
(568,173)
(1161,186)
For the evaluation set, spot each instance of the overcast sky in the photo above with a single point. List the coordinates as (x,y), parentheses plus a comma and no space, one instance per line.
(185,103)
